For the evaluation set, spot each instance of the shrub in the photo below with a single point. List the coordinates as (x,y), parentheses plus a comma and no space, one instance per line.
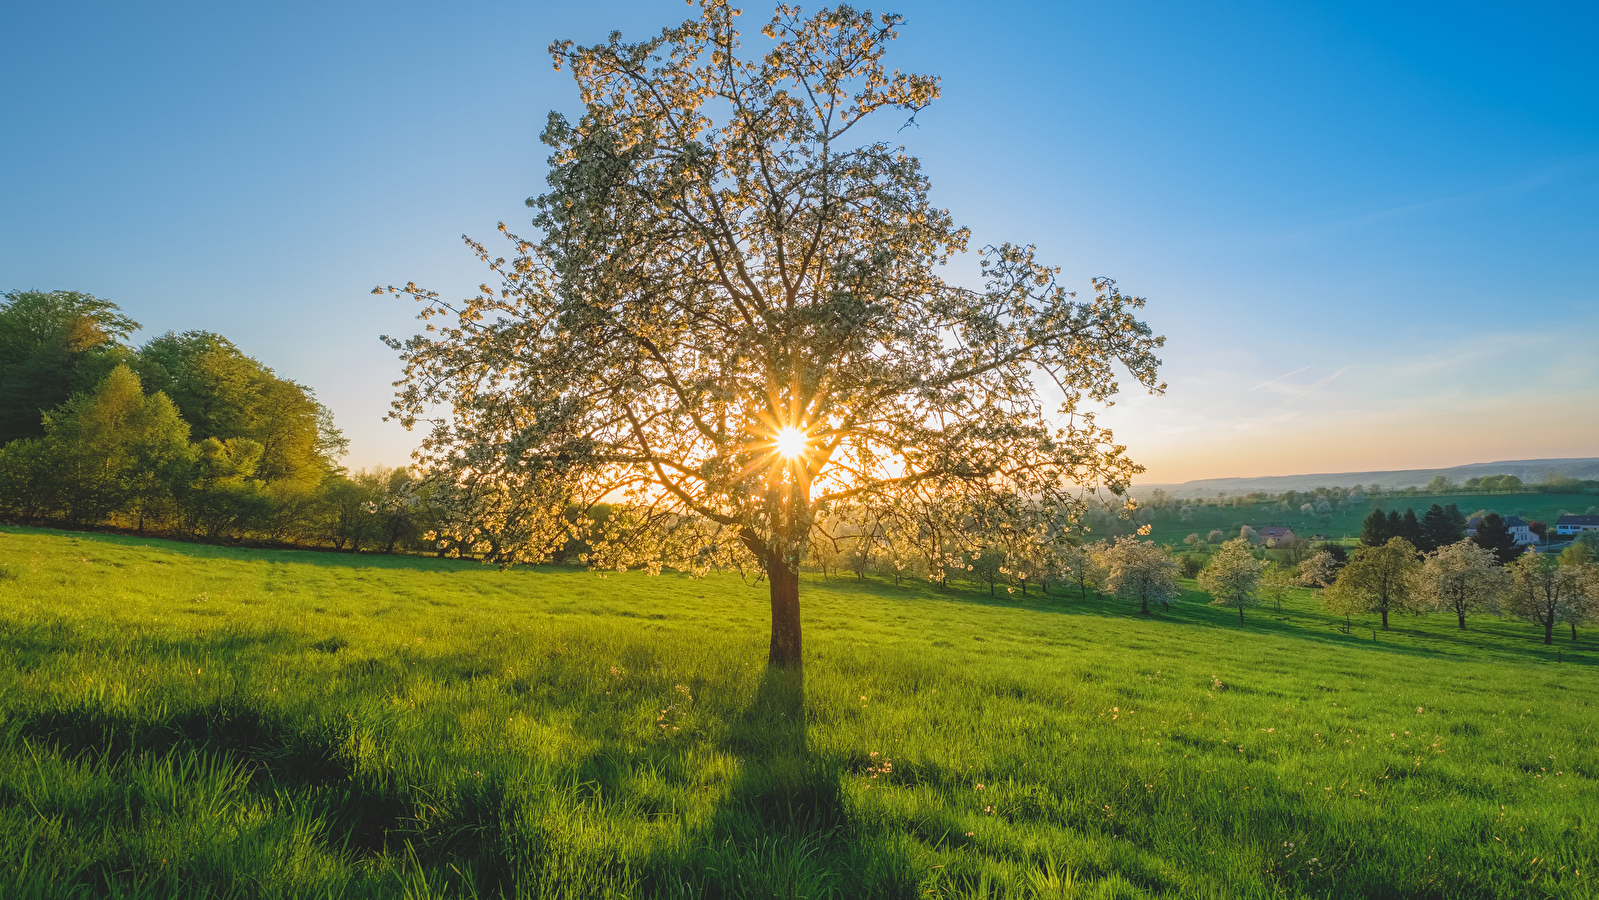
(1189,564)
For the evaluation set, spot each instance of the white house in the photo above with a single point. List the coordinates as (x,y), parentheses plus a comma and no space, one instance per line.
(1518,529)
(1576,524)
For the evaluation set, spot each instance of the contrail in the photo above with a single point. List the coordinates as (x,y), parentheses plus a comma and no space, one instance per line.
(1280,378)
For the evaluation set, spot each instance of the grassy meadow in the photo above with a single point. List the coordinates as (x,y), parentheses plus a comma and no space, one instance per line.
(1167,528)
(187,721)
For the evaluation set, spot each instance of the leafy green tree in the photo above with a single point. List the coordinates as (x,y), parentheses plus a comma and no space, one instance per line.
(1462,577)
(1138,570)
(350,510)
(1276,581)
(115,449)
(1543,591)
(1075,563)
(735,320)
(218,497)
(53,344)
(30,483)
(1232,578)
(1583,606)
(224,394)
(1374,529)
(1494,534)
(1377,579)
(1440,485)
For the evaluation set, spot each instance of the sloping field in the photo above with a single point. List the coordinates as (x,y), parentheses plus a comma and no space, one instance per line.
(181,721)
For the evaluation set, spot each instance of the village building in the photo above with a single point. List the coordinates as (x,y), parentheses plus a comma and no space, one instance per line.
(1276,534)
(1519,529)
(1576,524)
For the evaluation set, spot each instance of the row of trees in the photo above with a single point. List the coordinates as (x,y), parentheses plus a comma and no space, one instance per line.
(184,435)
(1437,527)
(1461,578)
(1466,577)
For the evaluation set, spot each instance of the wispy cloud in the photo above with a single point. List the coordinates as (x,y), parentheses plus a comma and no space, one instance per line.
(1279,378)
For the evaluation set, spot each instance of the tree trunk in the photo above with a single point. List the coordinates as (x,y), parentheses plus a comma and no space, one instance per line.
(1573,629)
(785,651)
(1240,613)
(1144,607)
(1462,620)
(1385,620)
(1549,630)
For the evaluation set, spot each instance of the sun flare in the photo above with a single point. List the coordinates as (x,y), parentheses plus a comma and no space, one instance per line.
(790,442)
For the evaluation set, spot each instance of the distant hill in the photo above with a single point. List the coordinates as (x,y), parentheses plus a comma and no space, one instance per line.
(1528,470)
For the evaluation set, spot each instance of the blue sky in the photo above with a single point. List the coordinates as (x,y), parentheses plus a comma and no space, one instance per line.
(1369,231)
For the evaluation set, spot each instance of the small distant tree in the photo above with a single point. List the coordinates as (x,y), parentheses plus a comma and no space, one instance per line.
(1494,534)
(1319,570)
(1543,590)
(1374,530)
(1189,565)
(1138,570)
(988,567)
(1377,579)
(1462,577)
(1540,528)
(1249,535)
(1232,577)
(1440,485)
(1579,559)
(1215,536)
(1276,581)
(1192,540)
(1186,516)
(1075,565)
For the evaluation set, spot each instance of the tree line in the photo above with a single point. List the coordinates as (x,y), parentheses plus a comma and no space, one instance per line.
(184,435)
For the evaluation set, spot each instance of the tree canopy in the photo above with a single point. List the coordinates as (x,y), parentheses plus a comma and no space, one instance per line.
(734,320)
(53,344)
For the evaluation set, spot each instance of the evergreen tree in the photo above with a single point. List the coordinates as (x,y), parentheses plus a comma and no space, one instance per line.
(1493,534)
(1410,528)
(1374,531)
(1440,527)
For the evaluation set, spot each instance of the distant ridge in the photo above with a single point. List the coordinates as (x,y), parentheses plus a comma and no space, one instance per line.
(1528,470)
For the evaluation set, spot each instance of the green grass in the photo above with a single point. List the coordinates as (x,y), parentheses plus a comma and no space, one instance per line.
(1168,529)
(182,721)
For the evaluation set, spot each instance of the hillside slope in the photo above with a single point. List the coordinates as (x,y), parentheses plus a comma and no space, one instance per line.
(1528,470)
(186,721)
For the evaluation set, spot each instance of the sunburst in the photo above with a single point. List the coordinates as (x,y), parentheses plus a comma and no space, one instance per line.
(791,442)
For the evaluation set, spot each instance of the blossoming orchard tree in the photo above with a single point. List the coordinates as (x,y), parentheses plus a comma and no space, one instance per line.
(732,323)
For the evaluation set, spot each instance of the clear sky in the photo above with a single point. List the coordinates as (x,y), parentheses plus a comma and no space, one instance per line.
(1370,231)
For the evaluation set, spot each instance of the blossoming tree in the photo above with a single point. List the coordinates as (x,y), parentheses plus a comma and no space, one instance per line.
(732,322)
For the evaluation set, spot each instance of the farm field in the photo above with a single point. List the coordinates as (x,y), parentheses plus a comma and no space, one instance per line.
(190,721)
(1168,529)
